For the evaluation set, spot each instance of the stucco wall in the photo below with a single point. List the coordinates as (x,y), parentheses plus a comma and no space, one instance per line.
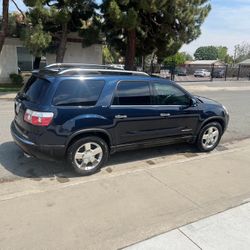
(8,59)
(76,54)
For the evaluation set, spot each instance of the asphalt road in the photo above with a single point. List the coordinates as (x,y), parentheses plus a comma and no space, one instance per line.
(13,164)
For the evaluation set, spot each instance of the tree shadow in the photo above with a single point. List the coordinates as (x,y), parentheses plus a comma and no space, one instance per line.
(16,165)
(15,162)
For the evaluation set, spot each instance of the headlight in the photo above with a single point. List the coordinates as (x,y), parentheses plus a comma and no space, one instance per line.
(225,109)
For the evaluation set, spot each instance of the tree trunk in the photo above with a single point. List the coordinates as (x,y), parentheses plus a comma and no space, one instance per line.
(130,50)
(62,45)
(152,64)
(36,63)
(4,30)
(143,62)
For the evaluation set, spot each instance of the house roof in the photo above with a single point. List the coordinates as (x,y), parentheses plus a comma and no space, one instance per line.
(245,62)
(205,62)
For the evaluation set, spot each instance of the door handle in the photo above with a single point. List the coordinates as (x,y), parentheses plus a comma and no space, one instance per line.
(164,114)
(120,116)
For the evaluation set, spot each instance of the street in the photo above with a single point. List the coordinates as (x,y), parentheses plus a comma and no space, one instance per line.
(138,194)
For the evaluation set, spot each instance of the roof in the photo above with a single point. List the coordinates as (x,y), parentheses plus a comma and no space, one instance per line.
(245,62)
(204,62)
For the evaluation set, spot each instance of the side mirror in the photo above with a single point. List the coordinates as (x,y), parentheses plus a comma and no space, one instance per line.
(193,102)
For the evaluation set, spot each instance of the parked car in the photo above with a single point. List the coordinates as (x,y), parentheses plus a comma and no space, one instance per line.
(181,72)
(219,73)
(165,73)
(117,66)
(84,115)
(202,73)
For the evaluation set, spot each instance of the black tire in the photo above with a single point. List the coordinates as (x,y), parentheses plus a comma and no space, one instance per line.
(77,144)
(203,130)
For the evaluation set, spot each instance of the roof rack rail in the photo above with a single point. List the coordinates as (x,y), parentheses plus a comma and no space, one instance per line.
(60,66)
(80,71)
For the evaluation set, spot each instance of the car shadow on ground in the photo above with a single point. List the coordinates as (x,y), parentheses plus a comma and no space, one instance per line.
(14,164)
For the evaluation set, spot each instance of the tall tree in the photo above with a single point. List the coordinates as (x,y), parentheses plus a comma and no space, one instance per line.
(140,28)
(188,57)
(206,53)
(37,41)
(4,28)
(175,60)
(59,17)
(109,55)
(241,52)
(222,52)
(121,20)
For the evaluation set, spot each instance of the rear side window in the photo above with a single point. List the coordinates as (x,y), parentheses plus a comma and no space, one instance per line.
(78,92)
(36,89)
(132,93)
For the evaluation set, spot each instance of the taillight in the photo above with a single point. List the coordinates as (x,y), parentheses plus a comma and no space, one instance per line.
(38,118)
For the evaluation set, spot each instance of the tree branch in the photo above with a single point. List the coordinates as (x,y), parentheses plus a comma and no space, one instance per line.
(24,17)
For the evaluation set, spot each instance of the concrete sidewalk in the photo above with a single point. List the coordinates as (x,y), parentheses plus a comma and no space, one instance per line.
(117,210)
(226,230)
(7,96)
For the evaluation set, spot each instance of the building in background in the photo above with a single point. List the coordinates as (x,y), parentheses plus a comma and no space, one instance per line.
(15,56)
(245,63)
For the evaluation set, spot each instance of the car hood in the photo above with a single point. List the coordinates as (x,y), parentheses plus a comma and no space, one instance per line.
(207,100)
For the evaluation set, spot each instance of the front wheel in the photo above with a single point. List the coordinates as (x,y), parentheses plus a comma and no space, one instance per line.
(88,155)
(209,137)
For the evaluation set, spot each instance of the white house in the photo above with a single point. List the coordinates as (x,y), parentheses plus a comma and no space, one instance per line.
(245,63)
(14,55)
(205,63)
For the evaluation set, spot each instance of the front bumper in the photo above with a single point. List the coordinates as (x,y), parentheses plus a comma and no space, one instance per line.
(45,152)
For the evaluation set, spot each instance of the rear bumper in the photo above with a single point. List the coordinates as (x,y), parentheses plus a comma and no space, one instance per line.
(45,152)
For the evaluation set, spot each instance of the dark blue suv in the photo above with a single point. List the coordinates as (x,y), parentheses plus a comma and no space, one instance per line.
(85,114)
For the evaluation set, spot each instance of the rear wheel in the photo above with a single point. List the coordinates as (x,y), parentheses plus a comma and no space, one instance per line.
(88,155)
(209,137)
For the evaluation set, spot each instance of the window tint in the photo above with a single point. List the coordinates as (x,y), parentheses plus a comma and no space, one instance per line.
(36,89)
(167,94)
(132,93)
(78,92)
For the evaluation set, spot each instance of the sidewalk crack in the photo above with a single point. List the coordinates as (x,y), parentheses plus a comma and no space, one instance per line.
(176,191)
(189,238)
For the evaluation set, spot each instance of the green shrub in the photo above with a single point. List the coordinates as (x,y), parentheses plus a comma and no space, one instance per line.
(16,79)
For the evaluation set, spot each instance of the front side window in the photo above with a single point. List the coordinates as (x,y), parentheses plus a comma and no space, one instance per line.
(78,92)
(132,93)
(167,94)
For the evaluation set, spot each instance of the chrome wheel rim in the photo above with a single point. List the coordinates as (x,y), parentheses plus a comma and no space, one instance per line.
(210,137)
(88,156)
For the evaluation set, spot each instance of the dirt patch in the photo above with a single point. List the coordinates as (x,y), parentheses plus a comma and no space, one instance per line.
(150,162)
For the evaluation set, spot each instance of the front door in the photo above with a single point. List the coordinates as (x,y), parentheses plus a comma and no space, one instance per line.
(177,116)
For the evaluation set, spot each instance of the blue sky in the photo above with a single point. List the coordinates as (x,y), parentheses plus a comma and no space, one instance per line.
(228,24)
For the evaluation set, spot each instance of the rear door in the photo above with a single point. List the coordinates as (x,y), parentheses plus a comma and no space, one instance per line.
(134,116)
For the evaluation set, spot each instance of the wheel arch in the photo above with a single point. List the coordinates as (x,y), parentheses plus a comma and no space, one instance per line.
(220,120)
(103,134)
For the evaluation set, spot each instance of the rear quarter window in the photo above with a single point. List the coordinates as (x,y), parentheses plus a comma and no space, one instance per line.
(76,92)
(36,89)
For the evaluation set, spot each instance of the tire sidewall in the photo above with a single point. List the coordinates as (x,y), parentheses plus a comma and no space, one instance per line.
(203,129)
(73,148)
